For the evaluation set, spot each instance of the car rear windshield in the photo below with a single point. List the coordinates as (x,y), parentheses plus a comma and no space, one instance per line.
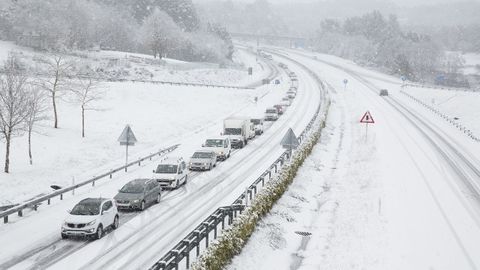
(86,209)
(133,187)
(214,143)
(256,121)
(166,168)
(202,155)
(271,111)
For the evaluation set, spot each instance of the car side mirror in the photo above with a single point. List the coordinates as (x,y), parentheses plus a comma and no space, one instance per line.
(203,145)
(153,171)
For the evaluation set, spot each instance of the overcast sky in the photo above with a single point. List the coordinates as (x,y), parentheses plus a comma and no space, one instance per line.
(398,2)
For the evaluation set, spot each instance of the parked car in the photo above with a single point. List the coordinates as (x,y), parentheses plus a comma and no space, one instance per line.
(90,218)
(271,114)
(220,145)
(383,92)
(280,108)
(138,194)
(258,125)
(203,160)
(171,173)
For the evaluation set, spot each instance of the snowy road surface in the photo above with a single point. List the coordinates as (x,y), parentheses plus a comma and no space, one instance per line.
(404,198)
(143,237)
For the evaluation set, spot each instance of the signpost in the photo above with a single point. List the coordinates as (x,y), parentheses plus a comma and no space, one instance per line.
(367,119)
(127,138)
(290,141)
(345,82)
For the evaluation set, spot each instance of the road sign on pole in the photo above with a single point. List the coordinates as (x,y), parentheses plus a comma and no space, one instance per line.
(290,141)
(127,138)
(367,119)
(345,82)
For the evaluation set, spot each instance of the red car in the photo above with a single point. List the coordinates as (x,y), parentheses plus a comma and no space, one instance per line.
(279,108)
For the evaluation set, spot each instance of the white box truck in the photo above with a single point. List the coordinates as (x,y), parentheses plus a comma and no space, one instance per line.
(239,129)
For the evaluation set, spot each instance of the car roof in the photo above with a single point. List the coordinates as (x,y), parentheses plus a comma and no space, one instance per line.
(93,200)
(141,180)
(218,138)
(172,160)
(204,151)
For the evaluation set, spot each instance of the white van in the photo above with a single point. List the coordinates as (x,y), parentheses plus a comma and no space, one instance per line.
(171,173)
(221,146)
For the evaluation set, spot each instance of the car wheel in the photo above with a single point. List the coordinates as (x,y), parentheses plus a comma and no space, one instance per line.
(215,164)
(64,236)
(159,197)
(186,178)
(210,167)
(142,206)
(116,222)
(99,233)
(177,184)
(228,154)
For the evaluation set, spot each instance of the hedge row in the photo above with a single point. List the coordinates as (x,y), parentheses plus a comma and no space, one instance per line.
(230,244)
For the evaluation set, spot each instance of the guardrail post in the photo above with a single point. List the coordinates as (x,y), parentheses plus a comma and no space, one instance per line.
(207,234)
(126,168)
(20,213)
(111,174)
(176,258)
(263,181)
(61,196)
(5,219)
(93,183)
(48,201)
(198,243)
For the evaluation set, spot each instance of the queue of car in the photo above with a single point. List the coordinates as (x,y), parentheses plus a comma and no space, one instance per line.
(92,217)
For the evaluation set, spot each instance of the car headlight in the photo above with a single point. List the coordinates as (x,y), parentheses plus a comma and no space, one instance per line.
(91,223)
(221,153)
(136,201)
(65,224)
(205,164)
(172,178)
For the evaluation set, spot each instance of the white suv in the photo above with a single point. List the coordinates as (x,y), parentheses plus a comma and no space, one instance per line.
(91,217)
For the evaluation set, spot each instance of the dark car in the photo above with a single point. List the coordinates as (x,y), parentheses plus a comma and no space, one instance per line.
(138,193)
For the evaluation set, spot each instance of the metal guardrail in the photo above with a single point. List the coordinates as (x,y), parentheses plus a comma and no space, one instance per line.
(182,250)
(211,224)
(452,121)
(36,202)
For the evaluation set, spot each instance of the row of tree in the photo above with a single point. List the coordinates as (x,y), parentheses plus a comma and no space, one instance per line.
(160,27)
(24,100)
(374,40)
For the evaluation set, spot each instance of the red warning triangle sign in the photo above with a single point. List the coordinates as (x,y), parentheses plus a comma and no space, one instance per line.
(367,118)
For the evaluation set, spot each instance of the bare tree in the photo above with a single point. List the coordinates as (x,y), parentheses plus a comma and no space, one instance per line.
(87,92)
(57,80)
(36,112)
(13,103)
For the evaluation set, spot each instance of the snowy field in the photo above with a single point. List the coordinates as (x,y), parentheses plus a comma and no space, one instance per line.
(112,65)
(159,115)
(388,201)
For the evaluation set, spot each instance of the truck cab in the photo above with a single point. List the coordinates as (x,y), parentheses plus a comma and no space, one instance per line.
(220,145)
(171,173)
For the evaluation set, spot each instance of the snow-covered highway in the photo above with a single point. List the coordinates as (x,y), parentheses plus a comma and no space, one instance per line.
(404,198)
(143,237)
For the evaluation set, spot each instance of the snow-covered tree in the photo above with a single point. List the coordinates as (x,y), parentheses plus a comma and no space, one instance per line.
(160,33)
(13,104)
(87,92)
(36,109)
(56,80)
